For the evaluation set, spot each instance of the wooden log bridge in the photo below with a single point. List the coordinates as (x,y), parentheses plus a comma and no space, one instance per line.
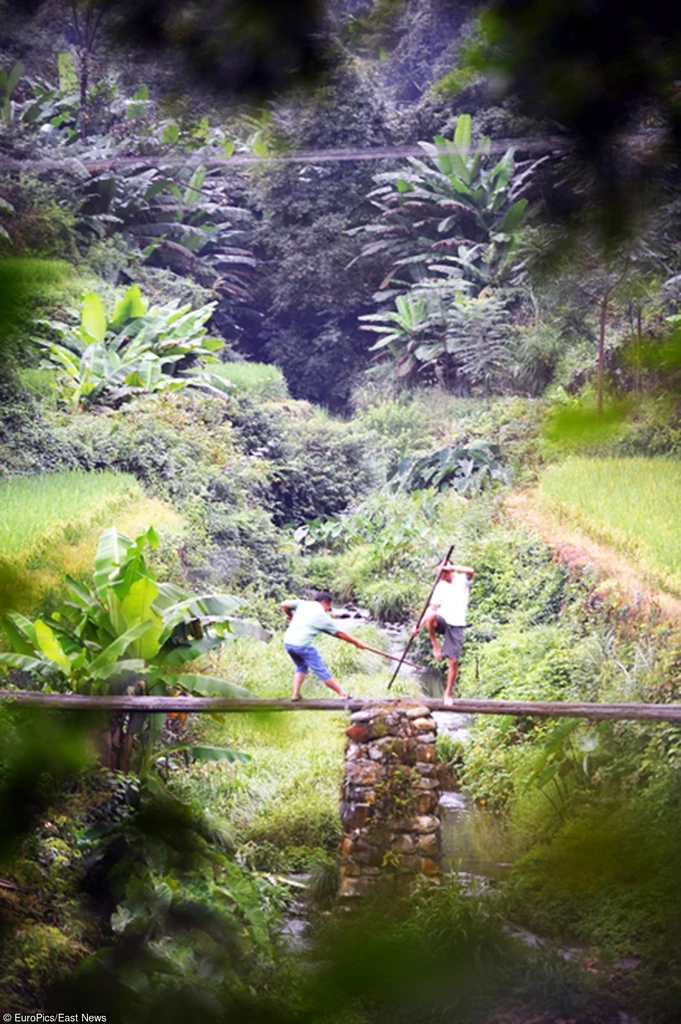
(191,705)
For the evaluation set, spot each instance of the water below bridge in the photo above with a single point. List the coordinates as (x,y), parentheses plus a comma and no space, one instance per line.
(475,842)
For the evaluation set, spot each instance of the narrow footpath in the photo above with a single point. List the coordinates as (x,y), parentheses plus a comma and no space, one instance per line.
(575,548)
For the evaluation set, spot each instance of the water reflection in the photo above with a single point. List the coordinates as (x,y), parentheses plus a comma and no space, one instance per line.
(475,842)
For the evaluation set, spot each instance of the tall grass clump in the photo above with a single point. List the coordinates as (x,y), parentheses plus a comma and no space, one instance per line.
(259,380)
(630,503)
(36,511)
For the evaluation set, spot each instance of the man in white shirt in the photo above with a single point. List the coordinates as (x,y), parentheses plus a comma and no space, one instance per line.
(447,614)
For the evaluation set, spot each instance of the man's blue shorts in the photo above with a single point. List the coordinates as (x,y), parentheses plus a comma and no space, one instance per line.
(306,658)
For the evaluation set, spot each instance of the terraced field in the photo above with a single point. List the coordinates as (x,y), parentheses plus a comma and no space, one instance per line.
(631,505)
(49,523)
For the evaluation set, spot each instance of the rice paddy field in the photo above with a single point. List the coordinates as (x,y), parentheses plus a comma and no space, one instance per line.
(50,524)
(35,510)
(631,504)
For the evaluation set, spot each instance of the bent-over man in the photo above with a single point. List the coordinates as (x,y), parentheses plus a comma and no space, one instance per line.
(446,615)
(306,619)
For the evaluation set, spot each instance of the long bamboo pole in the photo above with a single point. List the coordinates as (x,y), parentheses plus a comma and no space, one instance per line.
(393,657)
(162,705)
(420,619)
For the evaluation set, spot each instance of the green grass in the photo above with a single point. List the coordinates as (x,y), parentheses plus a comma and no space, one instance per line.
(38,510)
(631,504)
(286,798)
(260,380)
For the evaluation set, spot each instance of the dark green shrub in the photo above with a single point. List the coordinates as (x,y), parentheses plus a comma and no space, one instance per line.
(28,441)
(329,465)
(608,877)
(44,220)
(515,581)
(184,449)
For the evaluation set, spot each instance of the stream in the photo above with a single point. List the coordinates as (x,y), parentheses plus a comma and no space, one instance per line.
(476,845)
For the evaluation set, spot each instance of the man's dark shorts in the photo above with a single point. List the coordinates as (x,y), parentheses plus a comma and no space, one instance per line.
(451,648)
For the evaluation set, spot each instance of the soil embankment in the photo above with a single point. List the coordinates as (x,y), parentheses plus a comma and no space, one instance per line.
(575,548)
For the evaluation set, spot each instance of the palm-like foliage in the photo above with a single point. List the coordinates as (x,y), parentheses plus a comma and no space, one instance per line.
(402,331)
(451,222)
(455,212)
(9,80)
(126,628)
(127,632)
(468,469)
(470,341)
(437,326)
(178,219)
(138,350)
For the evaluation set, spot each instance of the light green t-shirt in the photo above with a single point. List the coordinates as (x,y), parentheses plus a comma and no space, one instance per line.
(309,618)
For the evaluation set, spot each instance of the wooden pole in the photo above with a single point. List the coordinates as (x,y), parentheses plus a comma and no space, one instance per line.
(420,619)
(190,705)
(393,657)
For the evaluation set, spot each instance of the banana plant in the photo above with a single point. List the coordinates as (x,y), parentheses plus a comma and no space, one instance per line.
(401,331)
(184,221)
(454,209)
(129,633)
(126,628)
(9,80)
(135,351)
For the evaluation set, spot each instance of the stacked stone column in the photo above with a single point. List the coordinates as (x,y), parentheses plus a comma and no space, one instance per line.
(390,800)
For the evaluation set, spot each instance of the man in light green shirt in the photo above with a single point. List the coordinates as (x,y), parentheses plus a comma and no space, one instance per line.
(306,619)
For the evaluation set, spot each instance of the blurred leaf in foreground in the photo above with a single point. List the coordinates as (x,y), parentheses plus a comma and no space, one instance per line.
(580,424)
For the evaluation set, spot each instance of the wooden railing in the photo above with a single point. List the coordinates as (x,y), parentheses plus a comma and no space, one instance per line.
(191,705)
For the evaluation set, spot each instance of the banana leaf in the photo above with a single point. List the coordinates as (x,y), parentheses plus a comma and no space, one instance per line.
(22,661)
(100,666)
(207,686)
(207,753)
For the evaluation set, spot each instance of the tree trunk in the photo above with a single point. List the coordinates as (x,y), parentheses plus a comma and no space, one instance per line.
(639,332)
(84,88)
(115,745)
(601,347)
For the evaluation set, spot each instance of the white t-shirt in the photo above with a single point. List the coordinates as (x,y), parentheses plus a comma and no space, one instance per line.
(451,599)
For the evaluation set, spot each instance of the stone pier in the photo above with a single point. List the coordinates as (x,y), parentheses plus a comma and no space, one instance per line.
(390,800)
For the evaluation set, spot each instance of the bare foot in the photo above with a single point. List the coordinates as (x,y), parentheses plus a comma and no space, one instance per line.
(346,696)
(295,697)
(437,653)
(448,700)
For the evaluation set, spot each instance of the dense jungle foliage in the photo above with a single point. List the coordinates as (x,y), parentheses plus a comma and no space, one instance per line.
(293,298)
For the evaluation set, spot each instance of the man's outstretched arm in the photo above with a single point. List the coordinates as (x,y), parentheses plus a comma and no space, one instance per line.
(350,639)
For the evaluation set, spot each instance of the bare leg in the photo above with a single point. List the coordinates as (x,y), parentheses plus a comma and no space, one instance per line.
(452,669)
(430,622)
(333,685)
(298,680)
